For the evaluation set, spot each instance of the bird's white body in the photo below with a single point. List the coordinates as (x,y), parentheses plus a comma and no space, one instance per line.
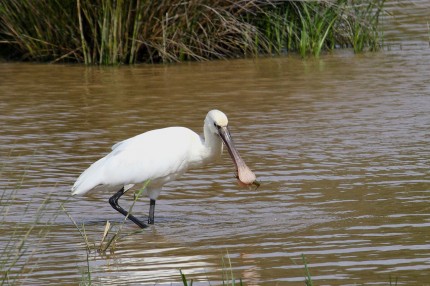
(170,152)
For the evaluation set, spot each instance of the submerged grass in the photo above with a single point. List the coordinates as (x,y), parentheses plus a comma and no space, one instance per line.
(229,280)
(24,234)
(109,240)
(308,277)
(126,32)
(227,274)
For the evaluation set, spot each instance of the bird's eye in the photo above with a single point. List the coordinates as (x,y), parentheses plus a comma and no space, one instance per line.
(216,125)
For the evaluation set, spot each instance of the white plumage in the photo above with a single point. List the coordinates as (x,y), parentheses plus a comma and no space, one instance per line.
(161,163)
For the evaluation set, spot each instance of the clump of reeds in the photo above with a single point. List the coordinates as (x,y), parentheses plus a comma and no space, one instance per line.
(309,27)
(118,31)
(305,27)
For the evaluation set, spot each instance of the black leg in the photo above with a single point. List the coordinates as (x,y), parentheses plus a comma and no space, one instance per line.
(151,211)
(114,203)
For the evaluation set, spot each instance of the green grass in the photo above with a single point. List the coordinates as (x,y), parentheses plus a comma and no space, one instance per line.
(363,25)
(108,32)
(308,277)
(310,27)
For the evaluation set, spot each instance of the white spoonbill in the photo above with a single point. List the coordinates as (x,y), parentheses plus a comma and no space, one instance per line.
(158,157)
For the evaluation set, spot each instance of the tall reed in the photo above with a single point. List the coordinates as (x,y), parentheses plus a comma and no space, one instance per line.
(119,31)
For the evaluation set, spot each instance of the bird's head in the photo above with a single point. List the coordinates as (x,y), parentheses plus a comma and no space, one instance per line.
(216,119)
(217,122)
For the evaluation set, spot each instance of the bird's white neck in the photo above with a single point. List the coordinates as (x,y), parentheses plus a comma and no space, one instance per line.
(212,144)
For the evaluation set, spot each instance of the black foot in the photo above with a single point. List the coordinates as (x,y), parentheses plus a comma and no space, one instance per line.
(151,211)
(114,203)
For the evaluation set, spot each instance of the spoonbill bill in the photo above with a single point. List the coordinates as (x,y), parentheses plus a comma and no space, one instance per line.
(160,156)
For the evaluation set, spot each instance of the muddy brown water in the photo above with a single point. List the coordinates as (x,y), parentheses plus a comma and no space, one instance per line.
(341,145)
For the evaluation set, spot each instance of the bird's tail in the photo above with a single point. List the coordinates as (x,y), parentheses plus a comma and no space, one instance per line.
(90,178)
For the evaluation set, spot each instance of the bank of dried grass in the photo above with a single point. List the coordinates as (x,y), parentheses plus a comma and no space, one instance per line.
(119,31)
